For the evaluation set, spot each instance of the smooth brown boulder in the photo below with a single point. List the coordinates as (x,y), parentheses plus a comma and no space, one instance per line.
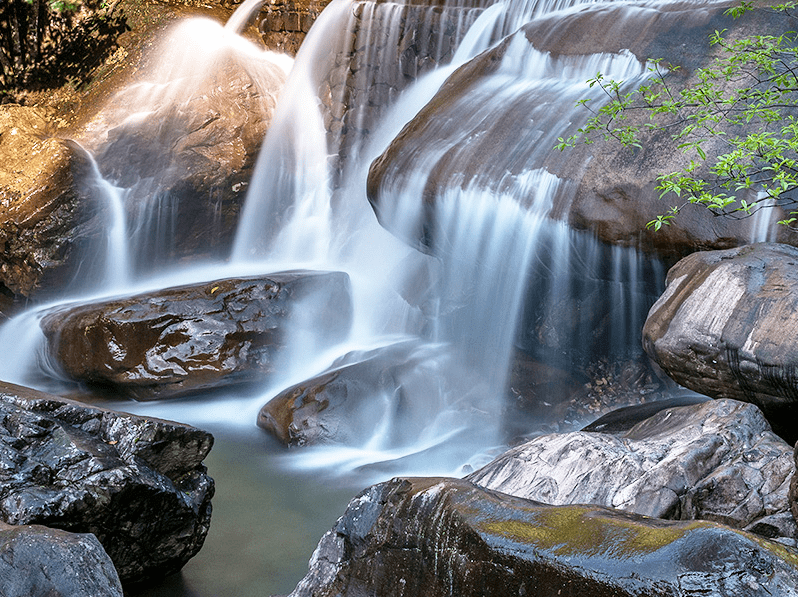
(47,215)
(430,537)
(726,326)
(196,337)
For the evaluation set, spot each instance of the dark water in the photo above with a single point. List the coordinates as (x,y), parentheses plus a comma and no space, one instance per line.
(266,522)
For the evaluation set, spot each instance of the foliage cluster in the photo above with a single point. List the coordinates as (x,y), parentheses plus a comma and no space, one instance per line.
(46,43)
(744,103)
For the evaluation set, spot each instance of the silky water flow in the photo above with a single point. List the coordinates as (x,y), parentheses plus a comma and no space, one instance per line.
(499,254)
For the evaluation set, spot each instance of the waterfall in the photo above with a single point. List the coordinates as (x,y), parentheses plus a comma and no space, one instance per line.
(502,274)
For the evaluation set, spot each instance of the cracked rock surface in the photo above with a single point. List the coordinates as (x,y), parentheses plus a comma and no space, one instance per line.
(138,484)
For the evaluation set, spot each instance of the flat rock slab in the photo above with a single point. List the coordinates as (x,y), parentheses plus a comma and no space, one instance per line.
(717,460)
(727,326)
(432,537)
(196,337)
(36,560)
(138,484)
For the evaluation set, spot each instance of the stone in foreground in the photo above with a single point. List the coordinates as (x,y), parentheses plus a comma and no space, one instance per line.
(432,537)
(196,337)
(717,460)
(38,561)
(138,484)
(727,326)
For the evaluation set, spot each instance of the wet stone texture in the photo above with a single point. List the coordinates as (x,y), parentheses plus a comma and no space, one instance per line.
(433,537)
(196,337)
(137,484)
(36,560)
(283,24)
(717,460)
(346,403)
(46,214)
(726,326)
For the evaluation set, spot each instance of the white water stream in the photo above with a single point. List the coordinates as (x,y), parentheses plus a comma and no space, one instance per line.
(302,211)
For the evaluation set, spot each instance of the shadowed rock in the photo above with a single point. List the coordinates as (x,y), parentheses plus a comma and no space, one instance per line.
(137,484)
(196,337)
(727,326)
(717,460)
(36,560)
(433,537)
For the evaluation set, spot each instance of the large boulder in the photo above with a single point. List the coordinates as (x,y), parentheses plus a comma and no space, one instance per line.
(137,484)
(195,337)
(433,537)
(716,460)
(46,212)
(36,560)
(497,120)
(726,327)
(184,140)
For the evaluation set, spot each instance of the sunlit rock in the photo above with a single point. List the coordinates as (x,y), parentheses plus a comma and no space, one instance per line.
(46,213)
(137,484)
(431,536)
(717,460)
(726,327)
(182,139)
(37,560)
(393,392)
(191,338)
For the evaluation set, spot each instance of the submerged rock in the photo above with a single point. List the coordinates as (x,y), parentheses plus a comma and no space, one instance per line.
(717,460)
(38,561)
(346,403)
(429,537)
(727,326)
(137,484)
(196,337)
(46,212)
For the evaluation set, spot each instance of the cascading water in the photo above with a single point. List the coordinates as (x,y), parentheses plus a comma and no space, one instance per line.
(505,274)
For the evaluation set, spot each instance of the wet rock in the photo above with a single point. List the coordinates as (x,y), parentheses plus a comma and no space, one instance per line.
(46,213)
(188,152)
(726,327)
(400,383)
(431,536)
(717,460)
(196,337)
(794,488)
(36,560)
(137,484)
(454,141)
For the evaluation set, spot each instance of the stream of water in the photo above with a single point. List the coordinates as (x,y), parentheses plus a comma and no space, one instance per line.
(498,257)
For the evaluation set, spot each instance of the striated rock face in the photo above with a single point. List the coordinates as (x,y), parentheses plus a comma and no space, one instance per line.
(283,24)
(498,118)
(345,403)
(429,537)
(717,460)
(46,214)
(726,327)
(36,560)
(137,484)
(794,488)
(190,338)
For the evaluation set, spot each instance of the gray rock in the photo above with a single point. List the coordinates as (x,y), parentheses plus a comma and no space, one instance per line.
(137,484)
(726,327)
(717,461)
(196,337)
(37,561)
(432,537)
